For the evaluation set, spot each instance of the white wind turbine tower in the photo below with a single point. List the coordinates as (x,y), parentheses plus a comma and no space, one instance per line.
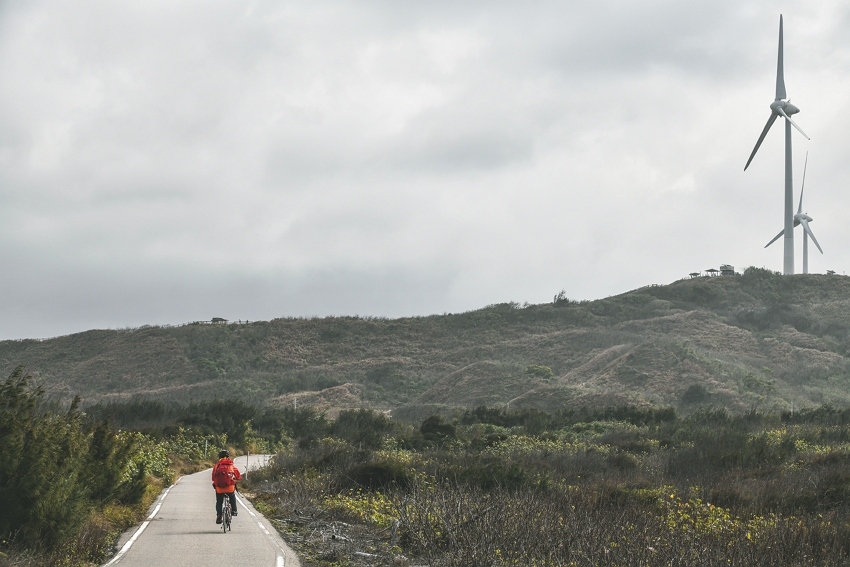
(784,108)
(804,219)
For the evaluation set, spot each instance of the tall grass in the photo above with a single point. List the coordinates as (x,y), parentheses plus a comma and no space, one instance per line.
(651,488)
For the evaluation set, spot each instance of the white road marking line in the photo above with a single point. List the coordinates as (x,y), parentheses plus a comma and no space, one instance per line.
(136,535)
(272,540)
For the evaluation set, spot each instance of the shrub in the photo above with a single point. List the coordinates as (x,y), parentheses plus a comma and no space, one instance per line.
(376,475)
(542,372)
(695,394)
(56,469)
(362,428)
(437,430)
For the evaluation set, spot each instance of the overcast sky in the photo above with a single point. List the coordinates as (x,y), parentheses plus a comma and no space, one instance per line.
(170,161)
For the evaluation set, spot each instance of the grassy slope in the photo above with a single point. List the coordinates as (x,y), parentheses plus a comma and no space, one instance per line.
(759,340)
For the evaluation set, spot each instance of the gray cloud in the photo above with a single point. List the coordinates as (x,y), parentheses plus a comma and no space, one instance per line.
(164,162)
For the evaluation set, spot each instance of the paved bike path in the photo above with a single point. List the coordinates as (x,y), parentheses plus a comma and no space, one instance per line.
(180,531)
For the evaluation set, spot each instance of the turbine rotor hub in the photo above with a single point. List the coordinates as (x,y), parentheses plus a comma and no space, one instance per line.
(785,106)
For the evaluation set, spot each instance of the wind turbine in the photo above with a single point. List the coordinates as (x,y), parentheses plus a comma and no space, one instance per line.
(804,219)
(785,109)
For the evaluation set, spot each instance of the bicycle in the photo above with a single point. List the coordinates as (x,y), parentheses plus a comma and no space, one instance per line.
(226,514)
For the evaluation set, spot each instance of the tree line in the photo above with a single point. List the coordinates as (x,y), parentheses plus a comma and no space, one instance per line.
(58,468)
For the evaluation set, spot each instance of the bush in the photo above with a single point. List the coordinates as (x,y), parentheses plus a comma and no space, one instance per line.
(542,372)
(362,428)
(56,469)
(379,475)
(435,429)
(695,394)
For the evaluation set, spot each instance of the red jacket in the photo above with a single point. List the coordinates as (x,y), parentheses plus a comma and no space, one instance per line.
(226,464)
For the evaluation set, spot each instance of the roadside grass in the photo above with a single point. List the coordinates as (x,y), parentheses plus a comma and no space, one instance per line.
(708,489)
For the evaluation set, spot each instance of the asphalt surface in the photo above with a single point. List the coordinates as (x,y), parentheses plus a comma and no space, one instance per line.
(180,530)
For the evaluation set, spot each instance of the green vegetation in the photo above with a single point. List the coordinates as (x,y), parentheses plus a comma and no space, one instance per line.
(71,483)
(60,476)
(616,486)
(756,341)
(609,485)
(219,423)
(696,418)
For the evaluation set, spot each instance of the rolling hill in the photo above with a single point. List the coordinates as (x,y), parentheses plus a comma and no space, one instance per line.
(759,340)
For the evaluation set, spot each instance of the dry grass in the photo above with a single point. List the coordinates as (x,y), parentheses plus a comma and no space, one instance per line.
(731,336)
(711,489)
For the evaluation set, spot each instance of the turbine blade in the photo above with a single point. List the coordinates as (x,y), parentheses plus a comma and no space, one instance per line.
(803,185)
(767,126)
(794,124)
(780,67)
(808,230)
(775,238)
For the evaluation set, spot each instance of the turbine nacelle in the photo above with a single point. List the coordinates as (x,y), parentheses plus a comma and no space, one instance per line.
(783,106)
(799,217)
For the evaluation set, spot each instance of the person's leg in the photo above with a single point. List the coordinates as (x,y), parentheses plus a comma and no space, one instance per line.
(233,502)
(219,500)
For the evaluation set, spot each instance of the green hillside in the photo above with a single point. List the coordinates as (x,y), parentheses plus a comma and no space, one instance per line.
(756,341)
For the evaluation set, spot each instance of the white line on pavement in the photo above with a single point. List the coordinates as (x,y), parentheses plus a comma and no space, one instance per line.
(147,521)
(272,540)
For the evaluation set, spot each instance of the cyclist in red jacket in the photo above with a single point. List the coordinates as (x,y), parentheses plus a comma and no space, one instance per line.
(224,476)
